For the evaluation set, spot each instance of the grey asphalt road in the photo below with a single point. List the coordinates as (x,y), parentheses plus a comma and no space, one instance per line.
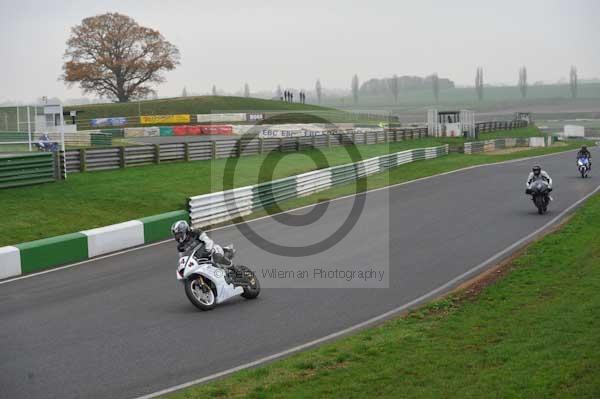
(120,327)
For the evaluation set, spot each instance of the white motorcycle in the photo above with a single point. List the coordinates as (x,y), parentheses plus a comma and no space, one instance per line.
(207,285)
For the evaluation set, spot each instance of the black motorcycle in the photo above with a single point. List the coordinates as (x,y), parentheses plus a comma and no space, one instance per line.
(540,195)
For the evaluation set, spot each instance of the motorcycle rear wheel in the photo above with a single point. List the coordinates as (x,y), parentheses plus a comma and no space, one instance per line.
(251,291)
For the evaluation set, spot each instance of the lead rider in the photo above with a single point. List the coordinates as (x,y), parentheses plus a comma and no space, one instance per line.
(535,174)
(188,239)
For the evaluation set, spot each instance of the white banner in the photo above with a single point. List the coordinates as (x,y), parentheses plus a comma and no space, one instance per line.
(297,130)
(294,130)
(221,118)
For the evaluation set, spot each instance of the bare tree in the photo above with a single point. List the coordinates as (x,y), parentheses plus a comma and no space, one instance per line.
(319,90)
(355,88)
(479,83)
(523,81)
(112,56)
(435,86)
(214,90)
(246,90)
(184,92)
(395,87)
(573,81)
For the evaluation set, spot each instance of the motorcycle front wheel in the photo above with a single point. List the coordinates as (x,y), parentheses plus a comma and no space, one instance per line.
(539,203)
(200,294)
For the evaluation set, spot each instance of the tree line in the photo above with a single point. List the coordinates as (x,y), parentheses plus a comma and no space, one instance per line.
(112,56)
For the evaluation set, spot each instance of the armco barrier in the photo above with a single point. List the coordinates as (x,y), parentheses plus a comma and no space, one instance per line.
(493,145)
(56,251)
(114,158)
(121,157)
(214,208)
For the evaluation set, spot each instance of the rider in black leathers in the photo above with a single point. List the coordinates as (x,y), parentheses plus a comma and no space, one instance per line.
(188,239)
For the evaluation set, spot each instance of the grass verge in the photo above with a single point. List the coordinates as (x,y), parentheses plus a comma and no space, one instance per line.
(276,111)
(89,200)
(532,333)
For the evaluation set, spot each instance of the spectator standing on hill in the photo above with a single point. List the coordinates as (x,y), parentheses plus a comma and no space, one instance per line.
(291,97)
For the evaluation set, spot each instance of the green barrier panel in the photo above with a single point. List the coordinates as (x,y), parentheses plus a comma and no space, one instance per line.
(101,139)
(116,132)
(21,170)
(158,227)
(14,136)
(50,252)
(166,130)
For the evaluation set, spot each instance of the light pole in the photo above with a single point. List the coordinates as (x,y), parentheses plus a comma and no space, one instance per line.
(29,128)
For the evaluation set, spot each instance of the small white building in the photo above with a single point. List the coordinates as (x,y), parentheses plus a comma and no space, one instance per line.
(450,123)
(50,120)
(574,131)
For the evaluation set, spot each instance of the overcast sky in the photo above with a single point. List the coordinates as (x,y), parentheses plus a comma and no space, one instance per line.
(295,42)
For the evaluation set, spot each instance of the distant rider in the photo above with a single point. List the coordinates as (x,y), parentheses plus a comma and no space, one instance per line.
(188,239)
(585,153)
(45,143)
(536,174)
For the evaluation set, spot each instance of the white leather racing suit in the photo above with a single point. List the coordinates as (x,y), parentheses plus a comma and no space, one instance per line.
(210,247)
(543,175)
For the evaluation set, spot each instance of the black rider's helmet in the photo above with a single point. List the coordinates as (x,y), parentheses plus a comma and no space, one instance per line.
(537,169)
(180,230)
(584,148)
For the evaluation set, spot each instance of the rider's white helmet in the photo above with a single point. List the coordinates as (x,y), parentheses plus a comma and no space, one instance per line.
(180,230)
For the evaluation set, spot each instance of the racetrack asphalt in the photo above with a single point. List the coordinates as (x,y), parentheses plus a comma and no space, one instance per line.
(121,326)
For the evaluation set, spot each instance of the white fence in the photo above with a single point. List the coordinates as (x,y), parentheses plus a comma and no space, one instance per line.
(498,144)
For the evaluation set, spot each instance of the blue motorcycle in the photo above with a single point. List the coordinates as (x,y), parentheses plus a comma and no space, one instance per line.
(583,164)
(45,144)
